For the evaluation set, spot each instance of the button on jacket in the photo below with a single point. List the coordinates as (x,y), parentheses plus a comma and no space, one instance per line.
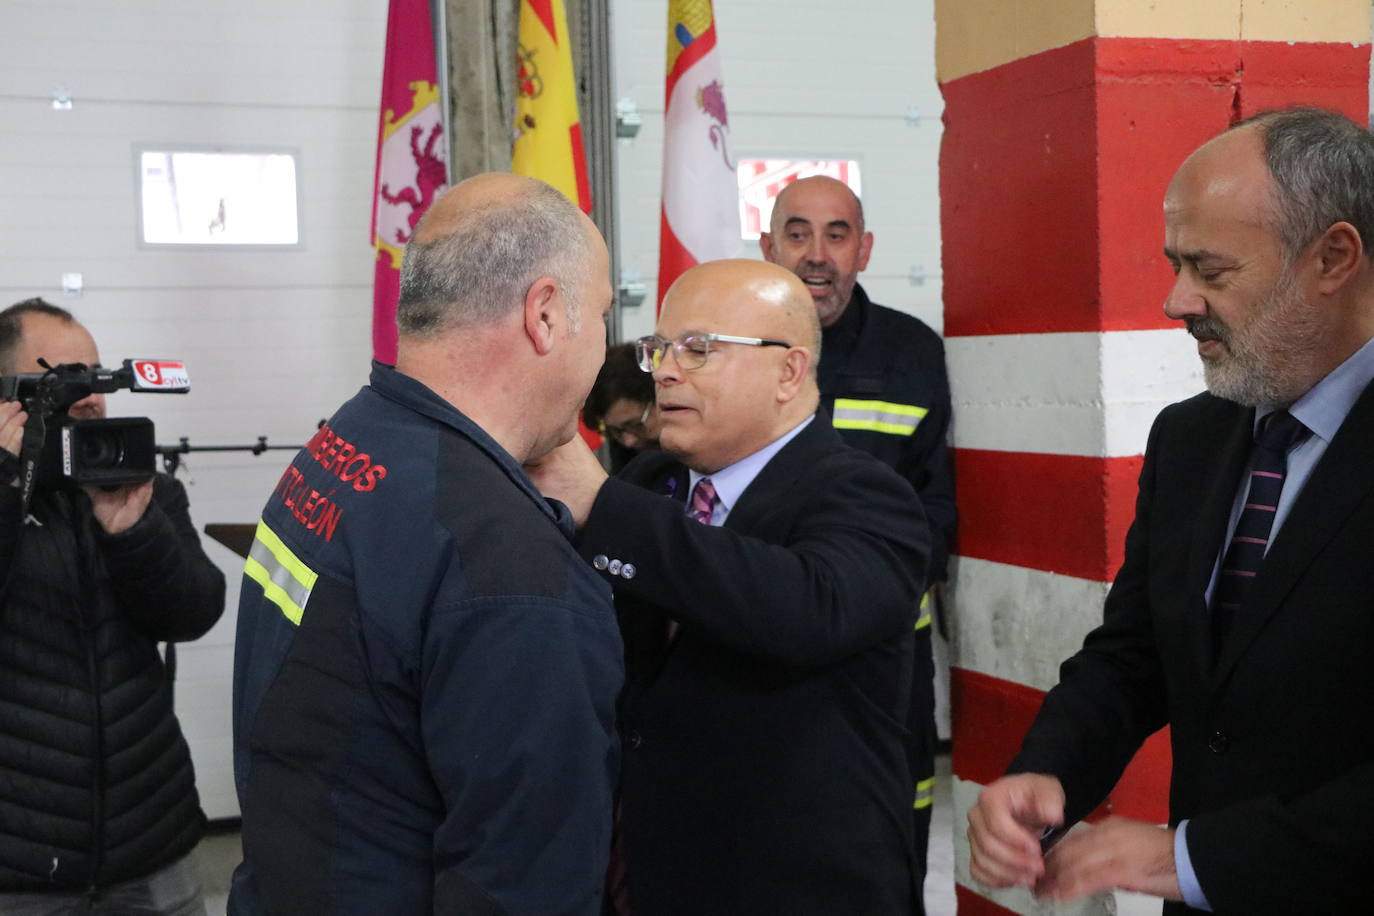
(1273,756)
(765,769)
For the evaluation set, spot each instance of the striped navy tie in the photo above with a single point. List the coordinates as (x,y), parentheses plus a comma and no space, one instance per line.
(1279,432)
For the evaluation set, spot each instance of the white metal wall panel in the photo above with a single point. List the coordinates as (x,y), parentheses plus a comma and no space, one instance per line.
(803,79)
(274,340)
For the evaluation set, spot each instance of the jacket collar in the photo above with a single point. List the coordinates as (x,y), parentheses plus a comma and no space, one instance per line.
(1213,514)
(414,395)
(850,324)
(770,487)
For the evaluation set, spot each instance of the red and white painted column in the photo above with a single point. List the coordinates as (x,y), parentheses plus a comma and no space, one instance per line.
(1064,122)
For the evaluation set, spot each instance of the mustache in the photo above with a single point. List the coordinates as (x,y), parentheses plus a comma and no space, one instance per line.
(1203,327)
(811,267)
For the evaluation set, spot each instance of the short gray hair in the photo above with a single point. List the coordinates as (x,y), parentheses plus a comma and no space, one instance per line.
(481,270)
(1322,164)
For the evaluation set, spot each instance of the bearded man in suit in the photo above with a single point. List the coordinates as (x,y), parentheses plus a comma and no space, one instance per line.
(767,605)
(1242,615)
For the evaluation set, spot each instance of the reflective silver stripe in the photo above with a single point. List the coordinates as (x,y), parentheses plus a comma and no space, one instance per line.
(878,416)
(285,580)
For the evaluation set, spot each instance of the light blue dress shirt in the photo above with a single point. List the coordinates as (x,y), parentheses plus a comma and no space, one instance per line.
(1322,410)
(730,482)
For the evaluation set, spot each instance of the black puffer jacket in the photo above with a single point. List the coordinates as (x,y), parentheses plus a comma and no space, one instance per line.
(96,784)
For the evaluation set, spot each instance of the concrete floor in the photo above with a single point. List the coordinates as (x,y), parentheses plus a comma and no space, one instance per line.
(218,855)
(940,858)
(220,852)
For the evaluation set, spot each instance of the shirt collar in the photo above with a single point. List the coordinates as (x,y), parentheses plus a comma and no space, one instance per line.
(1324,407)
(731,482)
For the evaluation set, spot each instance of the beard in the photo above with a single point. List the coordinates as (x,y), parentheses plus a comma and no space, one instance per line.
(1268,361)
(830,306)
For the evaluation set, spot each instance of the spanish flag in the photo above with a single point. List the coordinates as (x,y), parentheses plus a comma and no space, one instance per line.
(548,132)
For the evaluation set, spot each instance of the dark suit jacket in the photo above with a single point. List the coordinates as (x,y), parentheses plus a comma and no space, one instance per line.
(1273,744)
(764,768)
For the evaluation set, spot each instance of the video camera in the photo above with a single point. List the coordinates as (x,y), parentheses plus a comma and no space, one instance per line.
(110,452)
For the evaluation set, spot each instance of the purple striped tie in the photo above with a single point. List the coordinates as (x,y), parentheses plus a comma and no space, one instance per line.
(1279,432)
(700,508)
(703,502)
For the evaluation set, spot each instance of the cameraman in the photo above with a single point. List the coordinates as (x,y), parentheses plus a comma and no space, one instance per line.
(98,805)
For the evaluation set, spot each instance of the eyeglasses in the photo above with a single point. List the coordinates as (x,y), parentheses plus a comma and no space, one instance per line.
(691,348)
(629,427)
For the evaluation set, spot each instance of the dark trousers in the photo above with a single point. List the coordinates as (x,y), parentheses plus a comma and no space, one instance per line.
(921,753)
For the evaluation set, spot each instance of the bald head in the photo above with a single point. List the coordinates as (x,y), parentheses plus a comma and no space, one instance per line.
(482,243)
(1226,178)
(800,195)
(762,296)
(1321,165)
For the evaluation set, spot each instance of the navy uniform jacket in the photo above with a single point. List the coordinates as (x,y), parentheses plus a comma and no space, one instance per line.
(424,679)
(1273,754)
(882,378)
(764,763)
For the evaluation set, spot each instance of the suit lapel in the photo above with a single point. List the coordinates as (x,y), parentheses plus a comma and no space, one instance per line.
(1339,482)
(769,489)
(1213,514)
(643,625)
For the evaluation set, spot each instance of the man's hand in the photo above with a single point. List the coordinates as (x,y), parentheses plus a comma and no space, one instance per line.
(1005,826)
(1117,853)
(570,474)
(12,420)
(117,510)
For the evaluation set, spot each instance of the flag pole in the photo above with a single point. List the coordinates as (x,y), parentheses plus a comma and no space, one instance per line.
(438,14)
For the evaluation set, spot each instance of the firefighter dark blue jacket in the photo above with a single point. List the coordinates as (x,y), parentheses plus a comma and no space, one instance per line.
(882,379)
(424,679)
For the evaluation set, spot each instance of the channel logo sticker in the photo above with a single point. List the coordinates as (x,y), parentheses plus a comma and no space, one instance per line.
(160,375)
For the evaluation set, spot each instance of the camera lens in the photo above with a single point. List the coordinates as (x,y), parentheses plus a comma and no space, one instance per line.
(101,452)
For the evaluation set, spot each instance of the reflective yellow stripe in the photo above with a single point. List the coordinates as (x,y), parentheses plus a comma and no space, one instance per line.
(923,620)
(285,580)
(925,794)
(878,416)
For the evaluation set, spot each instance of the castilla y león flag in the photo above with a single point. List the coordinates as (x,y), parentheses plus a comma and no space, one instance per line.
(700,219)
(548,131)
(411,157)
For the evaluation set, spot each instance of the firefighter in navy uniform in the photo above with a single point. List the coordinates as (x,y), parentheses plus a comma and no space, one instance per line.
(425,669)
(882,378)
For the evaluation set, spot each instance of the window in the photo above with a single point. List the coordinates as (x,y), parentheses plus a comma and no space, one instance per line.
(213,197)
(760,180)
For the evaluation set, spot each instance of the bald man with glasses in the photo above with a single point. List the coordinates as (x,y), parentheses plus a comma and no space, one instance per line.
(767,605)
